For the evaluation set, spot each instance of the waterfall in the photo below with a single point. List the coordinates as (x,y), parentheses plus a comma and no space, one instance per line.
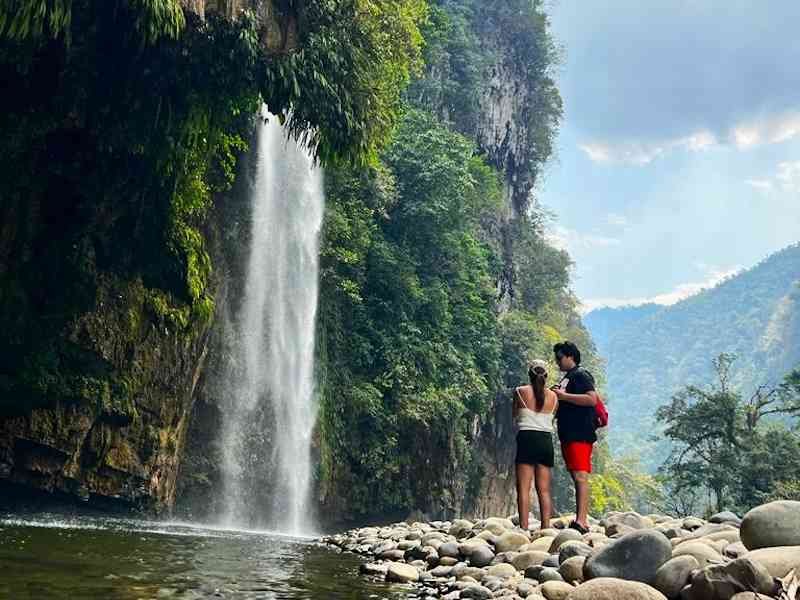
(269,388)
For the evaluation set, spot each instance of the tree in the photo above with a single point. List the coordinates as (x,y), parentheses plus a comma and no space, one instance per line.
(725,444)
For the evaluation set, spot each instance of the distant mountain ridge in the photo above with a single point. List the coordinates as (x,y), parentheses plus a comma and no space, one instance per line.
(652,351)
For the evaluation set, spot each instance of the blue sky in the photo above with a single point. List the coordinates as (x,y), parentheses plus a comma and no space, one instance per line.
(679,155)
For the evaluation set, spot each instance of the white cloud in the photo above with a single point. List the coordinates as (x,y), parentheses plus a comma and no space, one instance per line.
(786,178)
(772,129)
(640,153)
(769,129)
(571,240)
(680,292)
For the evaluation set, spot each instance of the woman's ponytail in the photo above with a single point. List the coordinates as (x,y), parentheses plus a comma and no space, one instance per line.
(538,377)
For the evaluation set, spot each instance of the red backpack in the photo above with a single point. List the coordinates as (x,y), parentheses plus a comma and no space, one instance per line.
(600,413)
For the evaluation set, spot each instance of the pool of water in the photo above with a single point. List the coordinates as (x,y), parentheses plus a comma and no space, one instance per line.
(47,556)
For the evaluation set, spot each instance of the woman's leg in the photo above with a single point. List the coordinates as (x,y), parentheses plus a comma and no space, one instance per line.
(543,491)
(524,477)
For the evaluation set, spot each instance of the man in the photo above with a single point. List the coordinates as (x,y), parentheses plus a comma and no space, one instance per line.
(576,428)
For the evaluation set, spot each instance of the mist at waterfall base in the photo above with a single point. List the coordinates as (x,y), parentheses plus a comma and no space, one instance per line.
(267,388)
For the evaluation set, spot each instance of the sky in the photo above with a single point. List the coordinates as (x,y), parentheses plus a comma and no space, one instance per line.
(678,159)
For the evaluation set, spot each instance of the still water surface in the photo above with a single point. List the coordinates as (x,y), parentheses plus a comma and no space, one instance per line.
(47,557)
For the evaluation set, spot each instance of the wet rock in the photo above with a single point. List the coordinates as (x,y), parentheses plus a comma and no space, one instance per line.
(635,557)
(374,569)
(607,588)
(476,592)
(773,524)
(674,575)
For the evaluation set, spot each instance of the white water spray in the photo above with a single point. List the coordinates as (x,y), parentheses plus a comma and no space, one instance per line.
(269,421)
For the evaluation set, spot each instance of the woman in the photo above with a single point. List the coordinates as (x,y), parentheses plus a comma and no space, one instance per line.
(534,407)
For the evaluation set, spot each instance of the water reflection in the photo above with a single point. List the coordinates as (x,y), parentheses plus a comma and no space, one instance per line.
(47,557)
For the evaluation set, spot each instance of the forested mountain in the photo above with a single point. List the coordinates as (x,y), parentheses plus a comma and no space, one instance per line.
(652,351)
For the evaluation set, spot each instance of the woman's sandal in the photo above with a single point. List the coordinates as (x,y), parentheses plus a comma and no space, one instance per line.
(579,528)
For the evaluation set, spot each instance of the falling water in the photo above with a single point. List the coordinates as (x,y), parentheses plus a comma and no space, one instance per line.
(266,441)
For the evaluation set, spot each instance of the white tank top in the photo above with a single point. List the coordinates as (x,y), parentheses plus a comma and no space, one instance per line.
(530,420)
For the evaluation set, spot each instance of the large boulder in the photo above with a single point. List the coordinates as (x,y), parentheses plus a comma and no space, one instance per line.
(779,560)
(704,553)
(607,588)
(674,574)
(720,582)
(636,556)
(773,524)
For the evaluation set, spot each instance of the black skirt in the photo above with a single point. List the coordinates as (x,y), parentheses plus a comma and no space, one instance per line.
(535,448)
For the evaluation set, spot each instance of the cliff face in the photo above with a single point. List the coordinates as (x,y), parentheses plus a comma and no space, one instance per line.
(96,378)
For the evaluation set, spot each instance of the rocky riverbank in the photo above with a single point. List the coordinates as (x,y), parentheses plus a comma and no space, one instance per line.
(625,556)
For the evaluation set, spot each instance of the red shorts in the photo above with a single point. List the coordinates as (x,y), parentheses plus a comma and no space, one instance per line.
(577,455)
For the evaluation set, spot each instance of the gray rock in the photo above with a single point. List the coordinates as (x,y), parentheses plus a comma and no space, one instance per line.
(503,571)
(692,523)
(460,527)
(441,571)
(615,530)
(631,519)
(511,540)
(564,536)
(449,549)
(550,574)
(778,561)
(704,553)
(607,588)
(636,556)
(551,561)
(674,575)
(555,590)
(482,556)
(401,572)
(523,560)
(720,582)
(572,569)
(392,555)
(476,592)
(573,548)
(373,569)
(773,524)
(735,550)
(725,516)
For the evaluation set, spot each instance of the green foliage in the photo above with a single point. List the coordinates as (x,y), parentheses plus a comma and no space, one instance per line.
(655,351)
(342,88)
(727,445)
(35,19)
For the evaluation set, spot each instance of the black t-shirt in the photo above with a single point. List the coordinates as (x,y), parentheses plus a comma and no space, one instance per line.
(576,423)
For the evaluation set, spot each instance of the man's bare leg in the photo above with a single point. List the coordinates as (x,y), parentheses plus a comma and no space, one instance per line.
(524,478)
(581,479)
